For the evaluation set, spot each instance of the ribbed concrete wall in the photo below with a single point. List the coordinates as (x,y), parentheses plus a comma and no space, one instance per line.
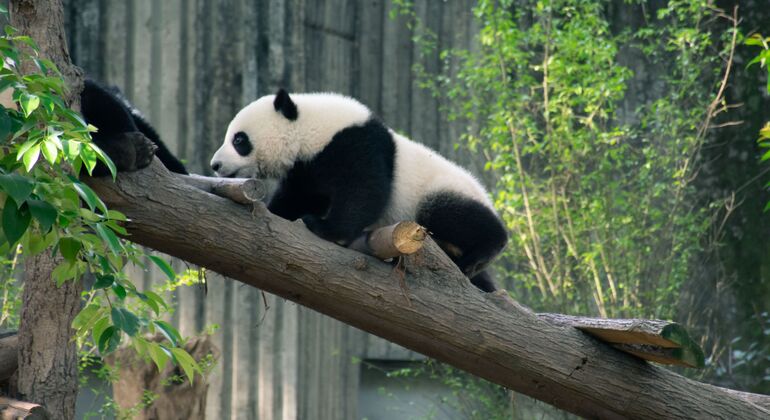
(189,66)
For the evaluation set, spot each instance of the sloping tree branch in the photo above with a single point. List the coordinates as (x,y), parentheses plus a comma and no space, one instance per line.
(444,316)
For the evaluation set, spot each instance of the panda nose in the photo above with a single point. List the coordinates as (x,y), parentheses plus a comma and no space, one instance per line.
(215,166)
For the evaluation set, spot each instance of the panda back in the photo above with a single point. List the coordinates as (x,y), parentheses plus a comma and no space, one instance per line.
(420,172)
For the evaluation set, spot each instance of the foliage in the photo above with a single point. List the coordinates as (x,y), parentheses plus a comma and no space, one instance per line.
(46,208)
(598,198)
(762,58)
(750,358)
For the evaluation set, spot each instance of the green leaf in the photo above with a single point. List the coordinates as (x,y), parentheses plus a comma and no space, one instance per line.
(754,39)
(103,281)
(44,213)
(170,332)
(186,362)
(65,271)
(29,103)
(88,195)
(69,248)
(149,302)
(50,152)
(104,158)
(86,315)
(30,157)
(119,290)
(164,266)
(17,186)
(106,338)
(88,156)
(125,320)
(5,124)
(109,237)
(156,298)
(99,327)
(71,150)
(158,354)
(15,220)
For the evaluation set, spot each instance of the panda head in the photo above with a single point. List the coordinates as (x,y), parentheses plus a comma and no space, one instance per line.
(269,135)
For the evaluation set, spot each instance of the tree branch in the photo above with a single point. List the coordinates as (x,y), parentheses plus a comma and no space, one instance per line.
(488,335)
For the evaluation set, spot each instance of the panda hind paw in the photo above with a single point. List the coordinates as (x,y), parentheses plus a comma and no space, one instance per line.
(144,148)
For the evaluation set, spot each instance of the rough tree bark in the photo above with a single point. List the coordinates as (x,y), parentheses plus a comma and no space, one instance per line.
(444,316)
(48,363)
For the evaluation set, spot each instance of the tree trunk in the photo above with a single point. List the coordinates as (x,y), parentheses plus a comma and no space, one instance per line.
(177,398)
(438,313)
(48,362)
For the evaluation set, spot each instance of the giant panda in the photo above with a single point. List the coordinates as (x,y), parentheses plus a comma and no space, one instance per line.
(343,172)
(123,134)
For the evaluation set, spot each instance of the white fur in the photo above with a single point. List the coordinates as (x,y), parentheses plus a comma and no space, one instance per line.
(278,143)
(420,171)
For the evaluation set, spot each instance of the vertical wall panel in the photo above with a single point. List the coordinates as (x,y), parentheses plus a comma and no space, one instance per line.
(166,107)
(189,66)
(115,33)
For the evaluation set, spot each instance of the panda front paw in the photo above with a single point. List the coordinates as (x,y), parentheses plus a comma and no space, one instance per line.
(314,224)
(324,230)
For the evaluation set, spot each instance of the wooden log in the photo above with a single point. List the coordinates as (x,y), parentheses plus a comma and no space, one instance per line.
(655,340)
(448,318)
(13,410)
(240,190)
(402,238)
(177,397)
(667,356)
(9,348)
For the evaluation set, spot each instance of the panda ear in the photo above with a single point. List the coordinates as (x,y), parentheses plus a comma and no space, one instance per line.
(285,105)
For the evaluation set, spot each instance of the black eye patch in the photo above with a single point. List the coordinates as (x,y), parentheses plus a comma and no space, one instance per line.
(241,143)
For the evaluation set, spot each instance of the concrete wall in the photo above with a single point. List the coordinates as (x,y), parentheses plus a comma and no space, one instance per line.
(189,66)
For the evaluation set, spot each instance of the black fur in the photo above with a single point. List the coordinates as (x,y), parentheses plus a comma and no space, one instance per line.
(242,144)
(125,137)
(470,232)
(285,105)
(484,282)
(343,189)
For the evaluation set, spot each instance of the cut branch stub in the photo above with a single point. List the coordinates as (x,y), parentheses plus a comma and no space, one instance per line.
(655,340)
(13,409)
(402,238)
(240,190)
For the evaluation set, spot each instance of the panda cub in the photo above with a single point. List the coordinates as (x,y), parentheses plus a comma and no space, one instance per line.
(343,172)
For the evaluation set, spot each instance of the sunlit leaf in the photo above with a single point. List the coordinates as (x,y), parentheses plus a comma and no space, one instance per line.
(28,103)
(158,354)
(50,152)
(31,156)
(109,238)
(170,332)
(164,266)
(186,362)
